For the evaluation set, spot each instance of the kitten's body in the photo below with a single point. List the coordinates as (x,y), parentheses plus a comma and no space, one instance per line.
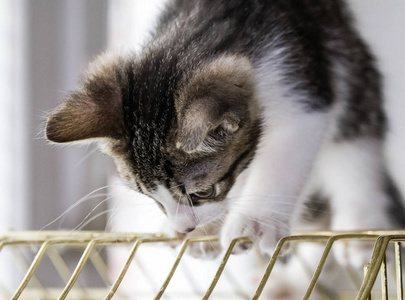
(275,104)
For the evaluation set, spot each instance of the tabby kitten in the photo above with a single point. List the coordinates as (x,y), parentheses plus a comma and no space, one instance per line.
(254,115)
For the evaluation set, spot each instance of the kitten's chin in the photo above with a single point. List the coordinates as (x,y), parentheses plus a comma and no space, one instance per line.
(211,227)
(185,219)
(191,226)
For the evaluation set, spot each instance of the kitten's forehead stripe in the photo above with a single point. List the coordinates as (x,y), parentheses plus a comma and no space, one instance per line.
(148,116)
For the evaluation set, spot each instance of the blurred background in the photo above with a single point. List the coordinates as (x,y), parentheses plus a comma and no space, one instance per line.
(45,44)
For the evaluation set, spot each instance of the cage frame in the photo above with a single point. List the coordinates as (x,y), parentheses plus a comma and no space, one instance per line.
(91,239)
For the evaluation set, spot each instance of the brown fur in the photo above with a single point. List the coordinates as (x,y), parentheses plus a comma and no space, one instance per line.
(92,111)
(216,96)
(213,140)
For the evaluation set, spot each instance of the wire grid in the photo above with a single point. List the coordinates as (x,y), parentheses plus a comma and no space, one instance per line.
(46,242)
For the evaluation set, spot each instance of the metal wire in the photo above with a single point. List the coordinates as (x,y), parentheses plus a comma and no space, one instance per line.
(398,270)
(48,243)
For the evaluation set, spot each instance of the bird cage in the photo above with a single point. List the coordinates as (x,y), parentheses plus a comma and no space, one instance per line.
(93,249)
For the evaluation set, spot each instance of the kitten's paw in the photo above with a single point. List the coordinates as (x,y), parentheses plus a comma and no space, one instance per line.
(204,250)
(236,227)
(265,235)
(270,238)
(207,249)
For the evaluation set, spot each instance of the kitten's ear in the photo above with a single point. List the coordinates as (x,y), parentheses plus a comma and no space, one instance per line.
(94,110)
(214,104)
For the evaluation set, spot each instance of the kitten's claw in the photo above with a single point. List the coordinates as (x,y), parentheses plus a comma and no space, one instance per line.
(266,237)
(268,242)
(241,247)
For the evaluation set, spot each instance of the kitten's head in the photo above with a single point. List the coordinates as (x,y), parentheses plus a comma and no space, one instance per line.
(178,132)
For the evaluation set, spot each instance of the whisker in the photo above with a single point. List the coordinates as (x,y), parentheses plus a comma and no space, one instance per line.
(84,158)
(108,224)
(269,196)
(80,201)
(177,209)
(89,198)
(247,211)
(192,209)
(85,218)
(260,198)
(173,187)
(123,206)
(55,90)
(267,221)
(92,219)
(198,220)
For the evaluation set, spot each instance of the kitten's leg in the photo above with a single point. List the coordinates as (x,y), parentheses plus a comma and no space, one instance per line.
(276,177)
(362,195)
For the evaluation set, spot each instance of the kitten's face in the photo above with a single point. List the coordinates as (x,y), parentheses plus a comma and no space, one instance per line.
(192,190)
(181,138)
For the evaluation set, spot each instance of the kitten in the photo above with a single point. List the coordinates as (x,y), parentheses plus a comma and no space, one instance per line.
(260,115)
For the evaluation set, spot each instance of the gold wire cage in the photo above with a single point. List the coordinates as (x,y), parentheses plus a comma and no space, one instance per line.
(51,244)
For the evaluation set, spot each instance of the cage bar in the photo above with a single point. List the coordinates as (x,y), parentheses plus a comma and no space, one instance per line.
(51,243)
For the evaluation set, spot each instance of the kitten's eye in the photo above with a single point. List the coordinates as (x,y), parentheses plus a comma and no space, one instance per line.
(208,193)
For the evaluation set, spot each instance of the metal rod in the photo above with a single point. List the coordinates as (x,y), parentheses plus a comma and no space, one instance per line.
(366,267)
(274,257)
(31,269)
(45,239)
(384,281)
(398,269)
(131,256)
(78,269)
(377,257)
(25,266)
(178,259)
(325,254)
(223,264)
(100,266)
(59,264)
(82,262)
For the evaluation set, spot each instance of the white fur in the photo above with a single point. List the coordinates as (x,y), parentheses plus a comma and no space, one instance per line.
(298,154)
(185,217)
(351,175)
(279,171)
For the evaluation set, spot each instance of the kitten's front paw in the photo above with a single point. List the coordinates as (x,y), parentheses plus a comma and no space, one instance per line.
(266,235)
(235,227)
(206,249)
